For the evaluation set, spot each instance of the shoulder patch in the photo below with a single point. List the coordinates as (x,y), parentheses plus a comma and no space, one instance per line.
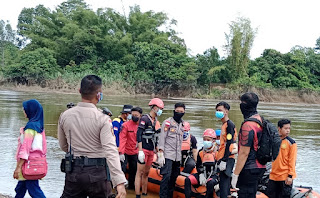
(143,122)
(229,136)
(167,123)
(290,140)
(115,128)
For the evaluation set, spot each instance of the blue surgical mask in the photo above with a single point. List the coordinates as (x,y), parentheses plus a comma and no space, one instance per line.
(185,135)
(218,142)
(207,144)
(129,117)
(219,114)
(159,112)
(101,96)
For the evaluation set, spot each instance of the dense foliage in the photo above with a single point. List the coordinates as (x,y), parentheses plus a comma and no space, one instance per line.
(140,49)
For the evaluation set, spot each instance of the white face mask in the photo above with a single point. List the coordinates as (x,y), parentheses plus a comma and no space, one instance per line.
(218,142)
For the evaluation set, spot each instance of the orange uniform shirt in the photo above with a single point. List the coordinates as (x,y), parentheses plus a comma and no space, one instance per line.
(228,132)
(285,164)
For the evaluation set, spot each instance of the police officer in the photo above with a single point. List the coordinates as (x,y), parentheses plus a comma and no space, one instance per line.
(169,155)
(117,122)
(88,132)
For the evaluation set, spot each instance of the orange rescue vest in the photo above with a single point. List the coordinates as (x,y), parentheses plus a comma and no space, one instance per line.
(186,144)
(207,158)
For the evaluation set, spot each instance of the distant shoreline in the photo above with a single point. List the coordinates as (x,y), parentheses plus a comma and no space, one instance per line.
(5,196)
(219,93)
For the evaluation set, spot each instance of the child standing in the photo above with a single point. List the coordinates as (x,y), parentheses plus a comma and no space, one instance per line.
(31,144)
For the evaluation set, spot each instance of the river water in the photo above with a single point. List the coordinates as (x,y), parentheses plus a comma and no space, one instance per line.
(200,113)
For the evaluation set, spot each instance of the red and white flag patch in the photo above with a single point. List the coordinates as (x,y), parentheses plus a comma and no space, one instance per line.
(143,122)
(115,128)
(167,123)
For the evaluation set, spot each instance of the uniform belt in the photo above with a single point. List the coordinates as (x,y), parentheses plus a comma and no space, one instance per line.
(84,161)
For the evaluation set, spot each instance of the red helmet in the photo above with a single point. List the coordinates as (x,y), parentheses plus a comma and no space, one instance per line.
(157,102)
(186,126)
(209,133)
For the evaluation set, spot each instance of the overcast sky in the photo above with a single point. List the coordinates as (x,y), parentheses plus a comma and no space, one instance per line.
(282,24)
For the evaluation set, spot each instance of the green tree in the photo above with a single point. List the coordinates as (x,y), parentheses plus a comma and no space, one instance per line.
(239,43)
(7,39)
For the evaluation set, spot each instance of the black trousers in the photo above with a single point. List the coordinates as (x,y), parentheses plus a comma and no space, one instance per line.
(189,165)
(248,182)
(132,161)
(278,189)
(170,171)
(224,184)
(83,182)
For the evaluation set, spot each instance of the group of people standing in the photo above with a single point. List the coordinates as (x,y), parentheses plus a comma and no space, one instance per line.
(102,149)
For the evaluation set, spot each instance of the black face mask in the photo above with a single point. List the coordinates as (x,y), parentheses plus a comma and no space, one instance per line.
(247,110)
(135,118)
(177,116)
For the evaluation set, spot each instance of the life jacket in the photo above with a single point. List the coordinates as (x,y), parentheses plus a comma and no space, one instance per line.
(151,132)
(208,162)
(207,158)
(186,144)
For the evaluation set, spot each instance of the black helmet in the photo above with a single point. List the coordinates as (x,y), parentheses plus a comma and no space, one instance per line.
(107,111)
(70,105)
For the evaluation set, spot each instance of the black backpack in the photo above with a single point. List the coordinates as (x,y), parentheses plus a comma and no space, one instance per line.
(269,141)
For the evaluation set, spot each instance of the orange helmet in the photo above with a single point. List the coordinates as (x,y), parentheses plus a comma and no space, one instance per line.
(209,133)
(157,102)
(186,126)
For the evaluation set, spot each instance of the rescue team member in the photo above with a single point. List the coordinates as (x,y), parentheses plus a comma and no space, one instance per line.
(188,150)
(206,175)
(228,148)
(248,170)
(146,144)
(284,167)
(218,132)
(169,155)
(93,145)
(128,149)
(117,122)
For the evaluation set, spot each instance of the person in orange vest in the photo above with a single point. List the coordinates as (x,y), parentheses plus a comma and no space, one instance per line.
(227,149)
(146,137)
(128,150)
(188,150)
(283,169)
(206,174)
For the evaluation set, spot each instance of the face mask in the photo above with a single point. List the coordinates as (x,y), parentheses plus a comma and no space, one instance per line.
(129,117)
(207,144)
(101,96)
(135,118)
(185,135)
(177,116)
(219,114)
(218,142)
(247,110)
(159,112)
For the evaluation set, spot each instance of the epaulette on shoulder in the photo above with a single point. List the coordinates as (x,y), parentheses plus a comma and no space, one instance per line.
(290,140)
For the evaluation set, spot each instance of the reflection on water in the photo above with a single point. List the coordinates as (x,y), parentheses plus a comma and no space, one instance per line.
(200,114)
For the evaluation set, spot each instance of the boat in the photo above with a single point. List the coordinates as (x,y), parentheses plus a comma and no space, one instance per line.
(154,180)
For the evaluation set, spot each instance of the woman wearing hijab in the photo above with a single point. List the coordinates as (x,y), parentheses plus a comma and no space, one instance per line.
(31,146)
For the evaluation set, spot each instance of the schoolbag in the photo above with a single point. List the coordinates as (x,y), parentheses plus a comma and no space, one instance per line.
(269,141)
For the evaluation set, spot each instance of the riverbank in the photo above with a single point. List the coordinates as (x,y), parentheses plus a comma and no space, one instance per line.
(5,196)
(219,92)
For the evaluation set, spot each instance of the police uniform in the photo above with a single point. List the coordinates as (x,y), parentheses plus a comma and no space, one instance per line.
(93,146)
(170,141)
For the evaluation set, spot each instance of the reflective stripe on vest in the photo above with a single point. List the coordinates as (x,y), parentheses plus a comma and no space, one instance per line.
(186,144)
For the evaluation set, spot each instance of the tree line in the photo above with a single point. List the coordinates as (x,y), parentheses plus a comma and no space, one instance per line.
(141,50)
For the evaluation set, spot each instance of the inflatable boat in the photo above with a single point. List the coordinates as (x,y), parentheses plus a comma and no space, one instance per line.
(154,180)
